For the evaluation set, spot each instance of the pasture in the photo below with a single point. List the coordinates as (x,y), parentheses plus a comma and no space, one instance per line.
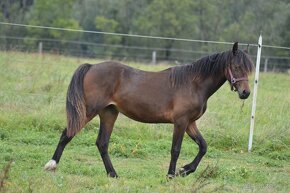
(32,117)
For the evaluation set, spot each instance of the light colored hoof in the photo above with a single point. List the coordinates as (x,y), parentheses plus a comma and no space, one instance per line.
(181,172)
(50,166)
(170,176)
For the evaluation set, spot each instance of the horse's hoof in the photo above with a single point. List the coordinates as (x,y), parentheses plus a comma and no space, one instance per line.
(170,176)
(181,172)
(50,166)
(112,175)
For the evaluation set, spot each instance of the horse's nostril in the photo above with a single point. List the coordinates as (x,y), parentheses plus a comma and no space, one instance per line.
(246,93)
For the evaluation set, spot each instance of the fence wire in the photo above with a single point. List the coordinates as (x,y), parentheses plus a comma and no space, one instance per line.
(135,47)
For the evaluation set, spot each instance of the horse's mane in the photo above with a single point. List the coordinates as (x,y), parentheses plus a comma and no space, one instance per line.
(212,65)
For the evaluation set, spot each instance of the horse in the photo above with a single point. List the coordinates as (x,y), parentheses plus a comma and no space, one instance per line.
(177,95)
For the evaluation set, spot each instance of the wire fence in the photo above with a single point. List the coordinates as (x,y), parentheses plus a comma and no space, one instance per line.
(135,53)
(149,49)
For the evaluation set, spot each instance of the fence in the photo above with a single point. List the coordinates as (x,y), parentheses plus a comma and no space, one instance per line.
(181,51)
(133,47)
(135,53)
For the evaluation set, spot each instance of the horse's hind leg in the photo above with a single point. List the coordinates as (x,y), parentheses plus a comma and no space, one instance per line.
(195,135)
(63,141)
(108,117)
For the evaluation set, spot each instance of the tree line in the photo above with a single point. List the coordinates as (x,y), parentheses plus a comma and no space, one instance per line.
(219,20)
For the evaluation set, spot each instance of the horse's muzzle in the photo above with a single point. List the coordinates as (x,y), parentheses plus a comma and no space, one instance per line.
(244,94)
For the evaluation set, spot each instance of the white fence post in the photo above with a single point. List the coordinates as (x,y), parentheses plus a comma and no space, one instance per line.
(40,47)
(154,57)
(255,93)
(266,65)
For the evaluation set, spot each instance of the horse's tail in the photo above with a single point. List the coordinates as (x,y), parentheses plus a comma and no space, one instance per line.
(75,101)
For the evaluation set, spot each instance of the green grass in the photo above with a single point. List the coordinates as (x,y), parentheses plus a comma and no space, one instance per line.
(32,116)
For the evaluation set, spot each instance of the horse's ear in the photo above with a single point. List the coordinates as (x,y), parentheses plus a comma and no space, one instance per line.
(235,48)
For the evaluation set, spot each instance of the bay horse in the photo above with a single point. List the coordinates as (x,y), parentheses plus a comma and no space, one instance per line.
(177,95)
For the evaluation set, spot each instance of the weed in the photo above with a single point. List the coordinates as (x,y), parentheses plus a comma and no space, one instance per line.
(204,180)
(4,176)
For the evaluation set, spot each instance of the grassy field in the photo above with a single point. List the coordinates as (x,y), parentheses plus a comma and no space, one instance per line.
(32,116)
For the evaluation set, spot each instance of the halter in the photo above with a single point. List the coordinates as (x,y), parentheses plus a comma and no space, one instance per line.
(234,80)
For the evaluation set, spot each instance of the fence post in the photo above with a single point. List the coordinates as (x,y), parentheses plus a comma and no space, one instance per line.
(255,93)
(154,57)
(266,65)
(40,46)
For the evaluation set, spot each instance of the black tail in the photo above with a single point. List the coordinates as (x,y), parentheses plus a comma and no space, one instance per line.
(75,101)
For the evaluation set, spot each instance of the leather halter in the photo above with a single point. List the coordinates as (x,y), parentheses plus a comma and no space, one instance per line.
(234,80)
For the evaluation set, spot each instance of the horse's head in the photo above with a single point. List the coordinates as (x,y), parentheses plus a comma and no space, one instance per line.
(237,72)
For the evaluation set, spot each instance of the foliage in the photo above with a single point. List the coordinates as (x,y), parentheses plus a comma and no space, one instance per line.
(222,20)
(55,13)
(286,32)
(168,19)
(108,25)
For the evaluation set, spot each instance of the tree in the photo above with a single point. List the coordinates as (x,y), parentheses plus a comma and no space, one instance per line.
(221,20)
(251,18)
(108,25)
(13,11)
(167,18)
(53,13)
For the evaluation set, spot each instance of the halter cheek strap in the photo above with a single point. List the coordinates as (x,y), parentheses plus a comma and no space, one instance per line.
(234,80)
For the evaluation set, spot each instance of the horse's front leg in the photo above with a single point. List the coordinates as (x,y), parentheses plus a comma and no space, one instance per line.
(178,133)
(195,135)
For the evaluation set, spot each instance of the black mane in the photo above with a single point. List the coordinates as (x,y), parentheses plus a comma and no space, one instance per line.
(211,65)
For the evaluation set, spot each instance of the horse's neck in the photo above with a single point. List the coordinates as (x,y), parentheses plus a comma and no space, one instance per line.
(211,84)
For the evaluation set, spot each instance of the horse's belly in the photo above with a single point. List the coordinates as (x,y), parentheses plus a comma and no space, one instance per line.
(147,119)
(145,114)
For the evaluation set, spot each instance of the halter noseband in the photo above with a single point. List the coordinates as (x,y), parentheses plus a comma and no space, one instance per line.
(234,80)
